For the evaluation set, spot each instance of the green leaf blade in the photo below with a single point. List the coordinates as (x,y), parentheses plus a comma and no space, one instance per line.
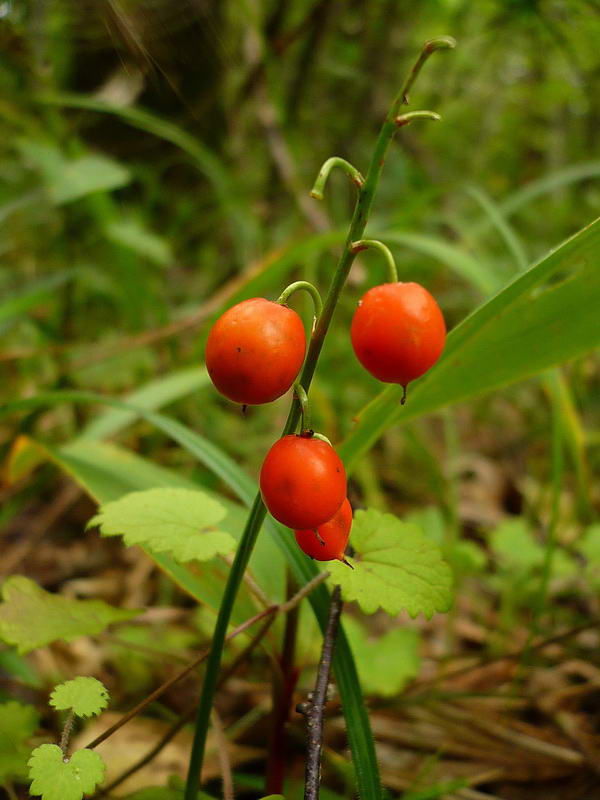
(399,569)
(180,522)
(31,617)
(56,778)
(86,697)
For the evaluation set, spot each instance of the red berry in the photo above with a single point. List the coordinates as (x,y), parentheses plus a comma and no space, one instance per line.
(330,539)
(398,332)
(255,351)
(302,481)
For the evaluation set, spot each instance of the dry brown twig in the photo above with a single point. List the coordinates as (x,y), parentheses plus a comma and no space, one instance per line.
(271,611)
(316,703)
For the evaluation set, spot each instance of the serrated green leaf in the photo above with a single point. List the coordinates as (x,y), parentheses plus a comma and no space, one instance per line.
(181,522)
(18,723)
(86,697)
(31,617)
(385,664)
(397,568)
(56,778)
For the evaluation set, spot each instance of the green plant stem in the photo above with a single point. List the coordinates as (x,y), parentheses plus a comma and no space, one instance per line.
(365,244)
(258,511)
(354,175)
(305,286)
(211,675)
(302,398)
(406,119)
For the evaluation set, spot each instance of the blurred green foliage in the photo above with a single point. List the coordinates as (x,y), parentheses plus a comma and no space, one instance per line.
(155,163)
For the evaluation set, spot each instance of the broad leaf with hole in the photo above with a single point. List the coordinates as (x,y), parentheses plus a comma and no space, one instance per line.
(396,568)
(31,617)
(56,778)
(180,522)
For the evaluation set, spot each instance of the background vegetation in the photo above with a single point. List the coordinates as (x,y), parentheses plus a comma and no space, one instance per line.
(155,164)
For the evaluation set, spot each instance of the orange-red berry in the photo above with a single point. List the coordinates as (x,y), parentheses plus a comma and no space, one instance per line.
(255,351)
(398,332)
(302,481)
(329,540)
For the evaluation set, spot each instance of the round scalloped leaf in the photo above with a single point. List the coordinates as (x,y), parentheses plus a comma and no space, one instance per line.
(86,697)
(181,522)
(396,568)
(56,777)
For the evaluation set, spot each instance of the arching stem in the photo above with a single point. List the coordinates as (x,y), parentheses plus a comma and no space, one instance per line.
(303,286)
(354,175)
(410,116)
(430,46)
(365,244)
(302,397)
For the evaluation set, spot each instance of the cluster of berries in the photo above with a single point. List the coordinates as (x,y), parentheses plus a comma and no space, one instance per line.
(254,353)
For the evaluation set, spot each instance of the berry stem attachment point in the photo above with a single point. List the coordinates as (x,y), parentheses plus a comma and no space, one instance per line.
(302,398)
(354,175)
(365,244)
(410,116)
(306,286)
